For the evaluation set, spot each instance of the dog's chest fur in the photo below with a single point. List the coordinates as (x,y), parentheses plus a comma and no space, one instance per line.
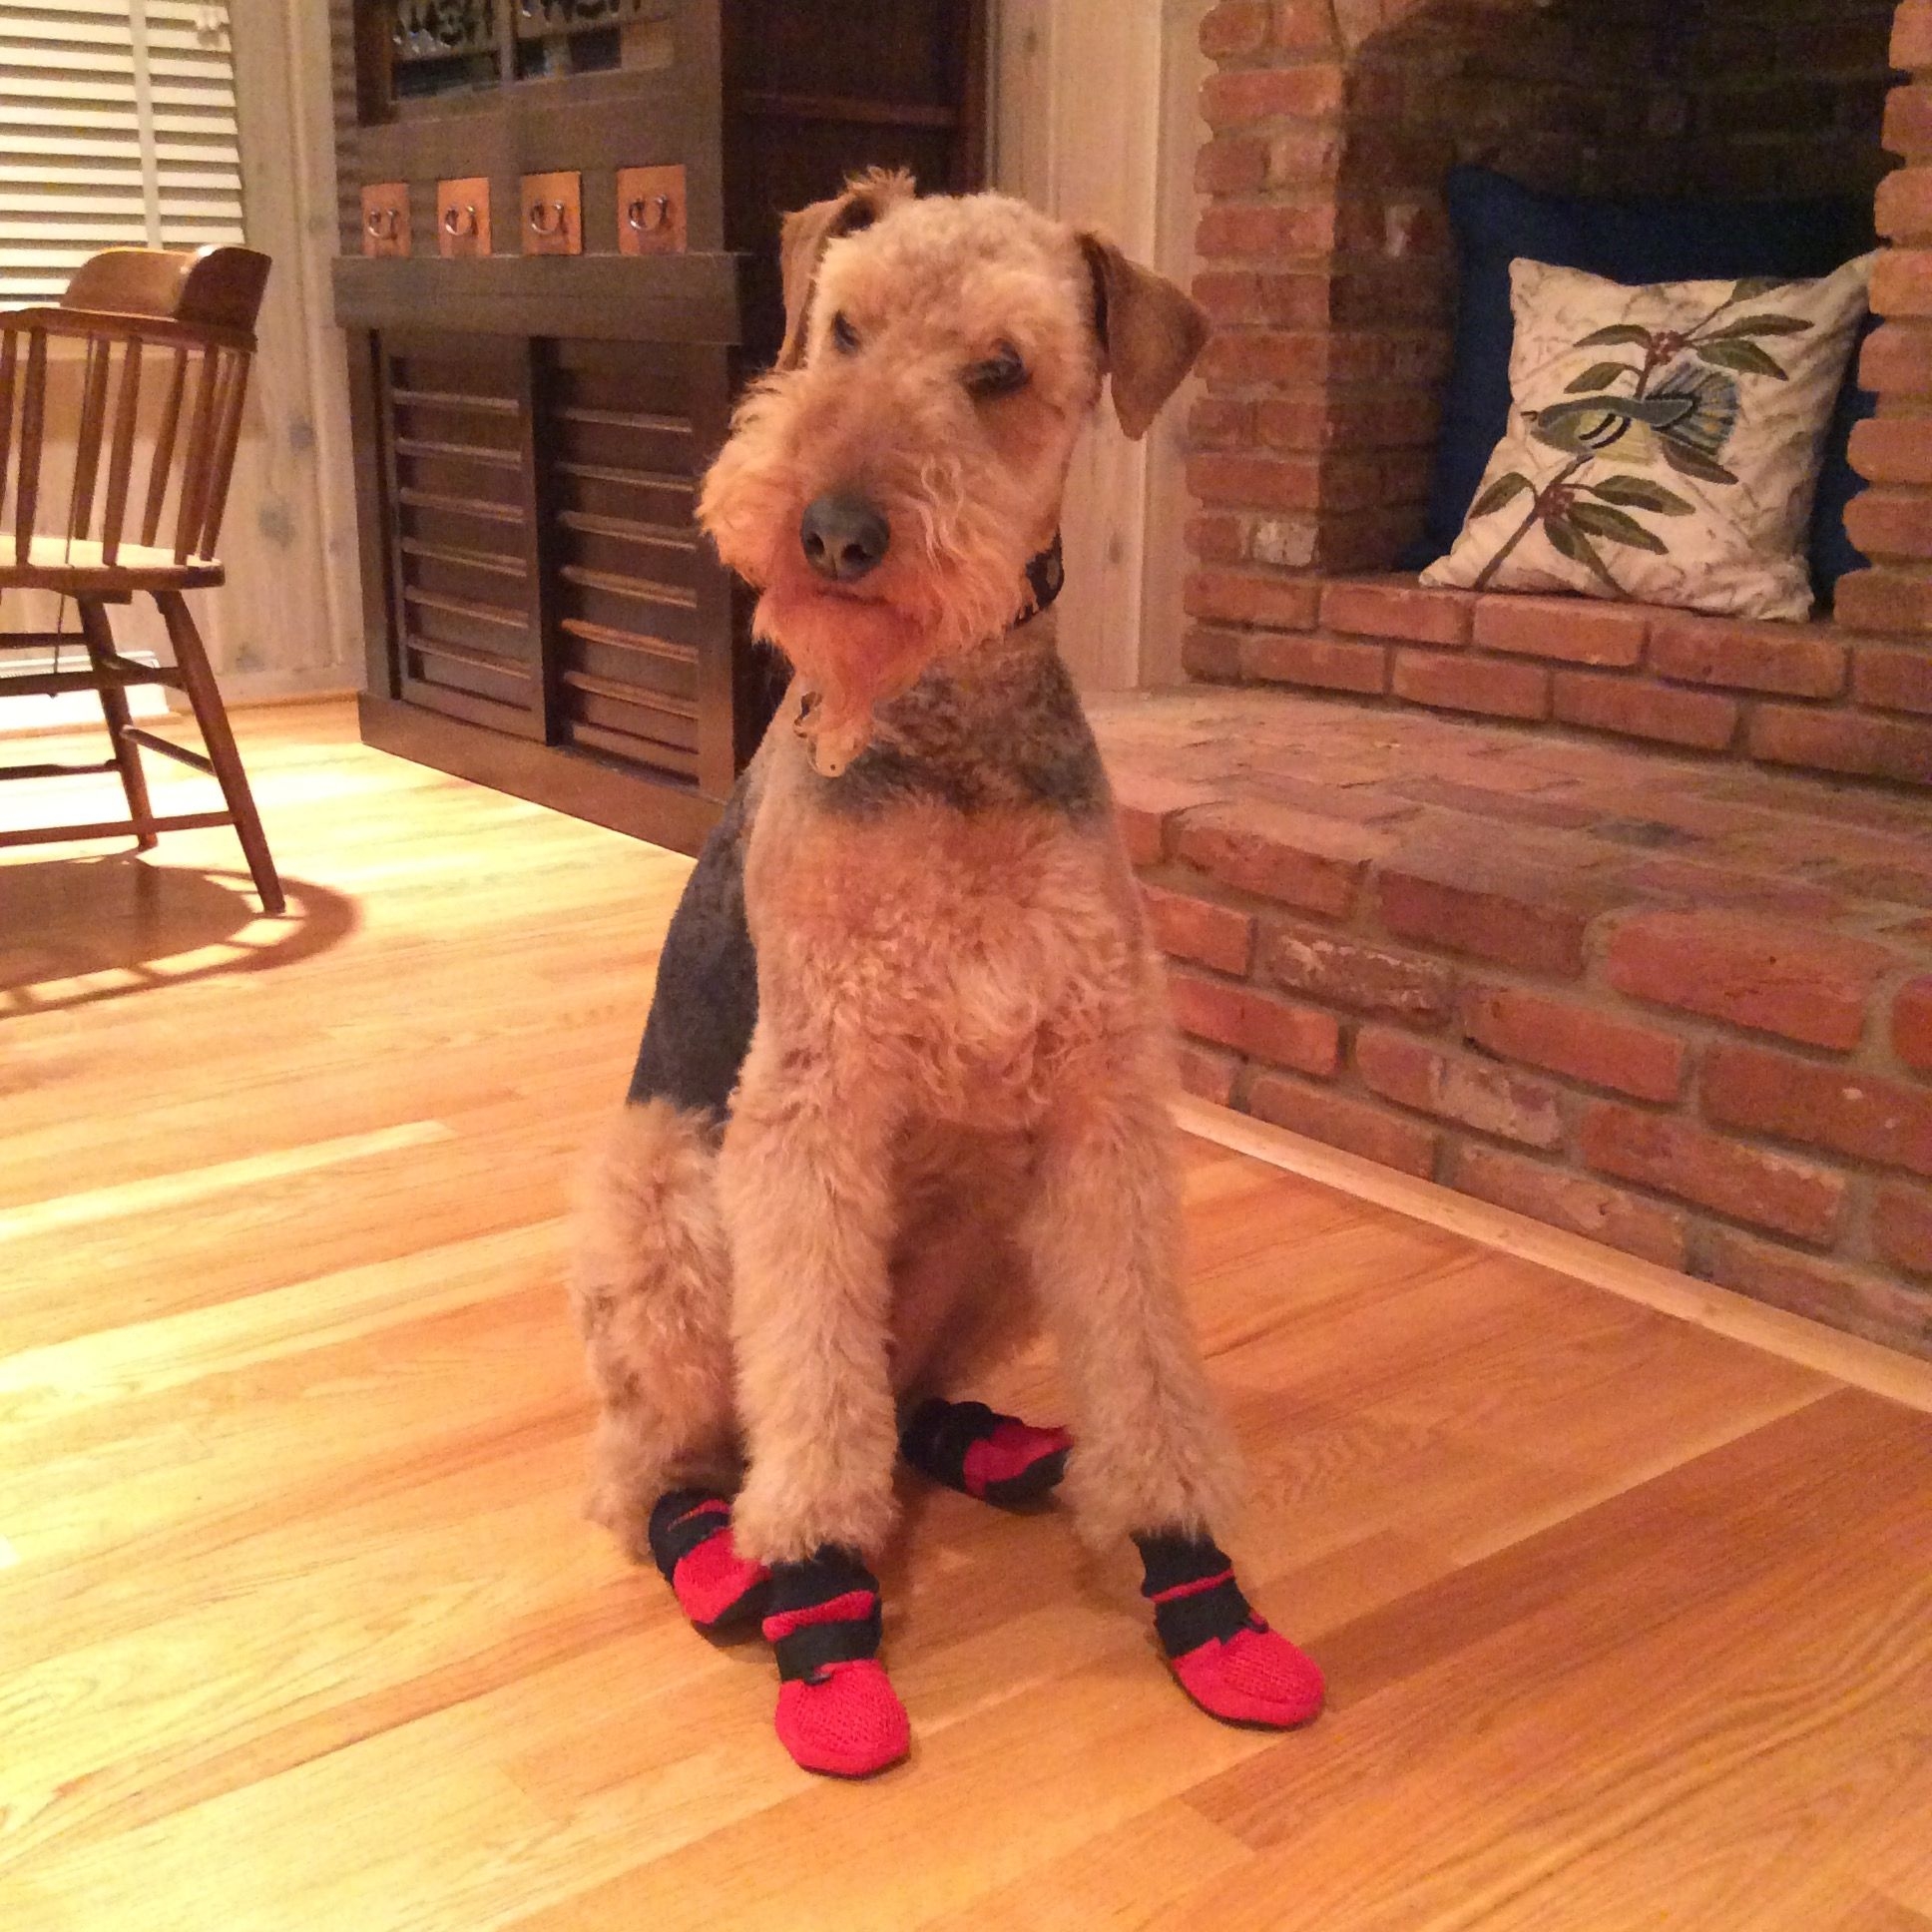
(952,914)
(952,919)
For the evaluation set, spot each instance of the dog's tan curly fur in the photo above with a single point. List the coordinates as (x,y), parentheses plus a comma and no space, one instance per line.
(956,1091)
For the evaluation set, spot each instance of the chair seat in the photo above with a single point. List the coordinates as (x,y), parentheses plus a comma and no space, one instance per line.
(74,565)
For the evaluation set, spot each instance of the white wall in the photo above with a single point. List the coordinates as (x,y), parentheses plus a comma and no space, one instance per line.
(289,618)
(1093,120)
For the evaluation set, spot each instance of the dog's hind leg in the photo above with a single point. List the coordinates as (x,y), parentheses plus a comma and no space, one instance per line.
(982,1453)
(650,1285)
(1149,1458)
(961,1305)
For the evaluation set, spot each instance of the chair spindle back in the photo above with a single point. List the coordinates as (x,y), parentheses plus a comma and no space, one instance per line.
(147,317)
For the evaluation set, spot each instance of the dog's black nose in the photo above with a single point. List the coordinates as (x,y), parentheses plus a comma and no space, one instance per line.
(843,537)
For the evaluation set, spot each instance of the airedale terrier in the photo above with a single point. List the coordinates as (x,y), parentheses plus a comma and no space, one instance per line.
(907,1069)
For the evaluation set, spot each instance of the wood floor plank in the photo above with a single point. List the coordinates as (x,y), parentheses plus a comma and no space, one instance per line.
(1628,1624)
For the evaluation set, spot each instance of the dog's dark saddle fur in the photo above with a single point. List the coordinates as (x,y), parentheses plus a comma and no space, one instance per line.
(706,1002)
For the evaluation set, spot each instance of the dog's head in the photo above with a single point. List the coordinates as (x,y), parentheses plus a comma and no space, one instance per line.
(885,486)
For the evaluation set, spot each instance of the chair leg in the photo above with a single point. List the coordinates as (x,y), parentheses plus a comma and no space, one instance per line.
(199,681)
(99,638)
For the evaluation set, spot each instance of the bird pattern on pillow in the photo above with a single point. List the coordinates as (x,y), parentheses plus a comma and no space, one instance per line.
(1678,469)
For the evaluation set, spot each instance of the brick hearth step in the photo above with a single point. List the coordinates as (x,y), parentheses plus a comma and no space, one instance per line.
(1682,1007)
(1820,696)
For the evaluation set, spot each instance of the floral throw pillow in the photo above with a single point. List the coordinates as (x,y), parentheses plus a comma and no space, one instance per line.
(1664,443)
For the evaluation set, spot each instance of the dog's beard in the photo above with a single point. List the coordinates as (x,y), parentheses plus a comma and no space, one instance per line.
(851,655)
(855,651)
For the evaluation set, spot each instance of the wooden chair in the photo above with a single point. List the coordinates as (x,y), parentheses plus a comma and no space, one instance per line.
(155,322)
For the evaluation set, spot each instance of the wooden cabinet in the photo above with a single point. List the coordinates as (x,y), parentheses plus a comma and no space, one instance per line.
(537,397)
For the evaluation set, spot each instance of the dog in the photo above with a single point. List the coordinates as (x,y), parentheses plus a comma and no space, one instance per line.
(906,1074)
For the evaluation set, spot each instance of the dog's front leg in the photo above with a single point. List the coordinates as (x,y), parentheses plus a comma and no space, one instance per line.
(1103,1236)
(1150,1457)
(804,1179)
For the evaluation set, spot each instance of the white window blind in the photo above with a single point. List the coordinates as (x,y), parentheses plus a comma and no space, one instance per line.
(117,129)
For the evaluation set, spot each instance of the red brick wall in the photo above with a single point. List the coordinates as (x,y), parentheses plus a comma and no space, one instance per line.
(1329,271)
(1817,696)
(1890,521)
(1325,252)
(1742,1091)
(1783,97)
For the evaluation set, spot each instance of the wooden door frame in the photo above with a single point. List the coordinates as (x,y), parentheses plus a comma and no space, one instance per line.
(1094,119)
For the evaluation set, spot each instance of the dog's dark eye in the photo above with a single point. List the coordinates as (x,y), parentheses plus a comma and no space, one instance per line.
(844,335)
(1000,374)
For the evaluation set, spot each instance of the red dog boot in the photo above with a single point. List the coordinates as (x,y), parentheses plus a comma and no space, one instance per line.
(1225,1656)
(837,1711)
(997,1458)
(690,1540)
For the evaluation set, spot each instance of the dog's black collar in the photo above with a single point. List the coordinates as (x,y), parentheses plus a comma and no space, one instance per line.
(1044,575)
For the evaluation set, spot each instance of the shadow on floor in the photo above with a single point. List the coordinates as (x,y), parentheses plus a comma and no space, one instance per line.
(75,931)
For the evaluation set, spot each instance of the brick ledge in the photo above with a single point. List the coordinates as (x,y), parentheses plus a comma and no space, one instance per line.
(1795,1338)
(1679,1007)
(1816,695)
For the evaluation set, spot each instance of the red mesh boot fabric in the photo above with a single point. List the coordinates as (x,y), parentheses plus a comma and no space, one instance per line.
(838,1711)
(691,1542)
(1224,1655)
(997,1458)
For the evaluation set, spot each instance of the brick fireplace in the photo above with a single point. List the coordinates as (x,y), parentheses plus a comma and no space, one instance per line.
(1330,273)
(1619,916)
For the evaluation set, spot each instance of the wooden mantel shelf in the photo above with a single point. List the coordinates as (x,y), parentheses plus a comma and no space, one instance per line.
(608,298)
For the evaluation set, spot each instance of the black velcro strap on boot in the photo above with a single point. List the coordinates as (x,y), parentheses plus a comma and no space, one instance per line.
(826,1574)
(1184,1618)
(805,1651)
(683,1519)
(938,1434)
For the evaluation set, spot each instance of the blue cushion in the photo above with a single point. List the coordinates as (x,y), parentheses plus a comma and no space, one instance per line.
(1638,241)
(1832,551)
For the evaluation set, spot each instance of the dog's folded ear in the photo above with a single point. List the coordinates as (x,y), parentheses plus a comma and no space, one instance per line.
(808,232)
(1150,331)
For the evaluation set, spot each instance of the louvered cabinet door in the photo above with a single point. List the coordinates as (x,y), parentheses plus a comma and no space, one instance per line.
(637,615)
(462,528)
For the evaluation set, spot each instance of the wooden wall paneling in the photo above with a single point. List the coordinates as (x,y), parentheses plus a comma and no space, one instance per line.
(452,143)
(632,636)
(701,71)
(370,54)
(597,298)
(629,656)
(975,134)
(539,530)
(586,787)
(394,620)
(466,598)
(803,108)
(594,125)
(506,41)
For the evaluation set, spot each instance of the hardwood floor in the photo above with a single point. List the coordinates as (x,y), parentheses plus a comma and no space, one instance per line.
(1628,1625)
